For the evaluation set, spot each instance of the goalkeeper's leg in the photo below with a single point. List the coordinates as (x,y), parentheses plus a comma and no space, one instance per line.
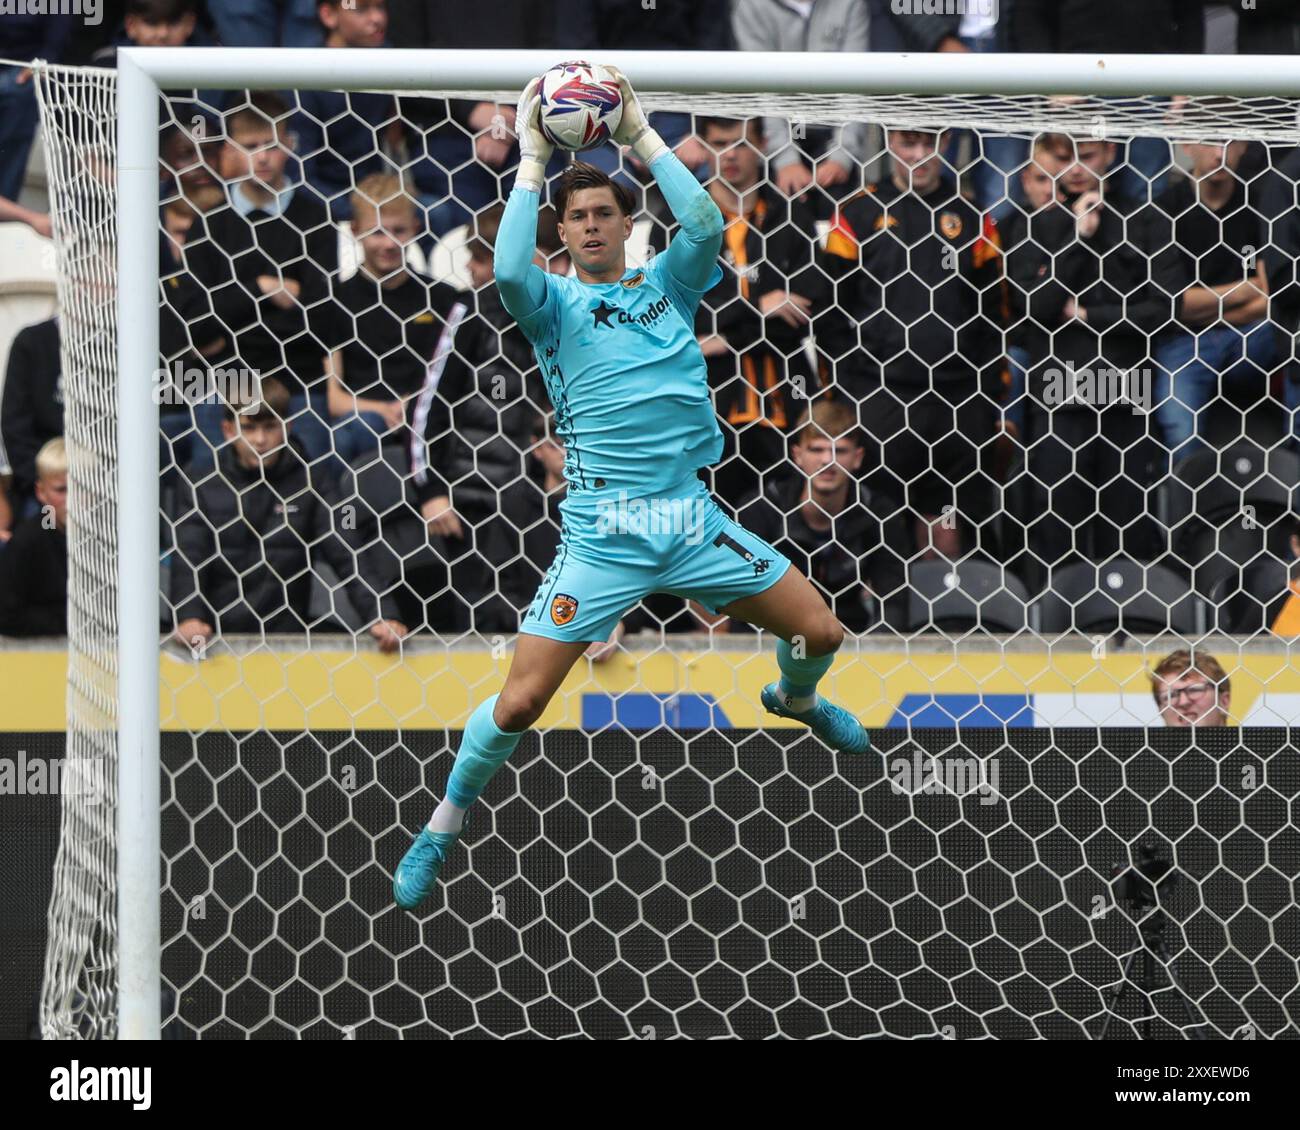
(808,635)
(491,734)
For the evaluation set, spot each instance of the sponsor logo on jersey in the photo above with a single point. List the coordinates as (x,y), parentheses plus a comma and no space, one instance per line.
(563,608)
(606,315)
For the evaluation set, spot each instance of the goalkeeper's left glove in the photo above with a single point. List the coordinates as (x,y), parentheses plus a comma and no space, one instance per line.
(534,150)
(634,128)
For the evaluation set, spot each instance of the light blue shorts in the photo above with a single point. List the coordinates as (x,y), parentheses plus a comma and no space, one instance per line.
(612,557)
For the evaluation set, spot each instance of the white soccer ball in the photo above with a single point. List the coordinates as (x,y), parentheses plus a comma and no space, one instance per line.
(581,105)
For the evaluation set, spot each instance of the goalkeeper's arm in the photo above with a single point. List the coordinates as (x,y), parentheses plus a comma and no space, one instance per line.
(520,282)
(693,251)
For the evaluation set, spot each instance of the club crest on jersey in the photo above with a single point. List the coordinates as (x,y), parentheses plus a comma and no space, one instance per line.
(634,281)
(950,225)
(563,608)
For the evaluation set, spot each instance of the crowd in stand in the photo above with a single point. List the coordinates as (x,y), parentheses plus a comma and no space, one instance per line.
(908,348)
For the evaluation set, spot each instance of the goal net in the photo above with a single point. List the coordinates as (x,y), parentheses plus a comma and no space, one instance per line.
(1011,377)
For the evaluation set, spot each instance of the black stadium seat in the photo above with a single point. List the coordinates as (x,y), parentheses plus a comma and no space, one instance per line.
(1250,602)
(1121,594)
(1215,486)
(971,594)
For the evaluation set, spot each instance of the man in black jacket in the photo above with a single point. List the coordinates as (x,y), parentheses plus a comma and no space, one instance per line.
(32,411)
(248,536)
(263,262)
(752,325)
(1081,310)
(914,338)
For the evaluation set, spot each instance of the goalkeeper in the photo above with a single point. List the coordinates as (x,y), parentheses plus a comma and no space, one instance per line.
(624,371)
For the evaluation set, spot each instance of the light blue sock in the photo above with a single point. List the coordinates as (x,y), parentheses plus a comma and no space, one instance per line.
(484,748)
(799,677)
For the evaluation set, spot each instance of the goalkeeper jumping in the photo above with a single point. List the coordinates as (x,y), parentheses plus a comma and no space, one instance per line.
(625,374)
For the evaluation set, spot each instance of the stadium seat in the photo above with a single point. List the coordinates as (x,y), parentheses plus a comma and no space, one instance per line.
(1215,486)
(971,594)
(1249,602)
(1120,595)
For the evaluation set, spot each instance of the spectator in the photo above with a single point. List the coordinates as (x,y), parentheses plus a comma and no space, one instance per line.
(1191,689)
(32,411)
(1282,256)
(1112,27)
(25,33)
(262,262)
(1204,237)
(829,524)
(463,150)
(914,338)
(34,565)
(6,510)
(551,256)
(13,212)
(185,170)
(249,537)
(341,135)
(387,326)
(266,23)
(1082,310)
(1286,622)
(1039,182)
(154,23)
(752,325)
(835,154)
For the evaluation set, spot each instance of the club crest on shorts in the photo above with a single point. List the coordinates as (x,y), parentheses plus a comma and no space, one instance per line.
(563,608)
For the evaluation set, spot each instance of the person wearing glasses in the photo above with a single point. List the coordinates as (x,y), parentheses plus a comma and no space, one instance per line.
(1191,690)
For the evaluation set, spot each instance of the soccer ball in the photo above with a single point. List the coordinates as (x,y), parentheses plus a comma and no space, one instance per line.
(581,105)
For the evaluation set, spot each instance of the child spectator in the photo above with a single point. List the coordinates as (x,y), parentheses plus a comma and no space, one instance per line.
(34,565)
(262,262)
(390,329)
(1204,238)
(752,325)
(830,525)
(248,536)
(154,23)
(32,410)
(1191,689)
(341,135)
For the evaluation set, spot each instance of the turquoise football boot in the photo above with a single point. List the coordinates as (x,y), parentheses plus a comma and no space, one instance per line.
(833,724)
(418,872)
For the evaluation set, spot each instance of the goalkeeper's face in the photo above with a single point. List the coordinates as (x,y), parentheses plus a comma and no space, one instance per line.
(595,231)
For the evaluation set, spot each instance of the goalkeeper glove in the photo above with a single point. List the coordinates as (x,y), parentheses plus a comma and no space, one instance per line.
(634,128)
(534,150)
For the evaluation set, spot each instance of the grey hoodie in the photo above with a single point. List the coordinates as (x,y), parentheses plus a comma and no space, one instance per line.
(832,25)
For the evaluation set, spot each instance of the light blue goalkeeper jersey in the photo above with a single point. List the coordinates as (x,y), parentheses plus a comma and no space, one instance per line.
(621,362)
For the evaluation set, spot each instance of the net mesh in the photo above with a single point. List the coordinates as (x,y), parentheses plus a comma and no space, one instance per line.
(674,872)
(78,109)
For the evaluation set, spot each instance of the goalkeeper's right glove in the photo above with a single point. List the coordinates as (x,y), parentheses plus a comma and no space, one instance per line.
(534,150)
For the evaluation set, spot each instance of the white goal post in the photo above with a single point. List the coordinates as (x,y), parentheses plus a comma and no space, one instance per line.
(897,87)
